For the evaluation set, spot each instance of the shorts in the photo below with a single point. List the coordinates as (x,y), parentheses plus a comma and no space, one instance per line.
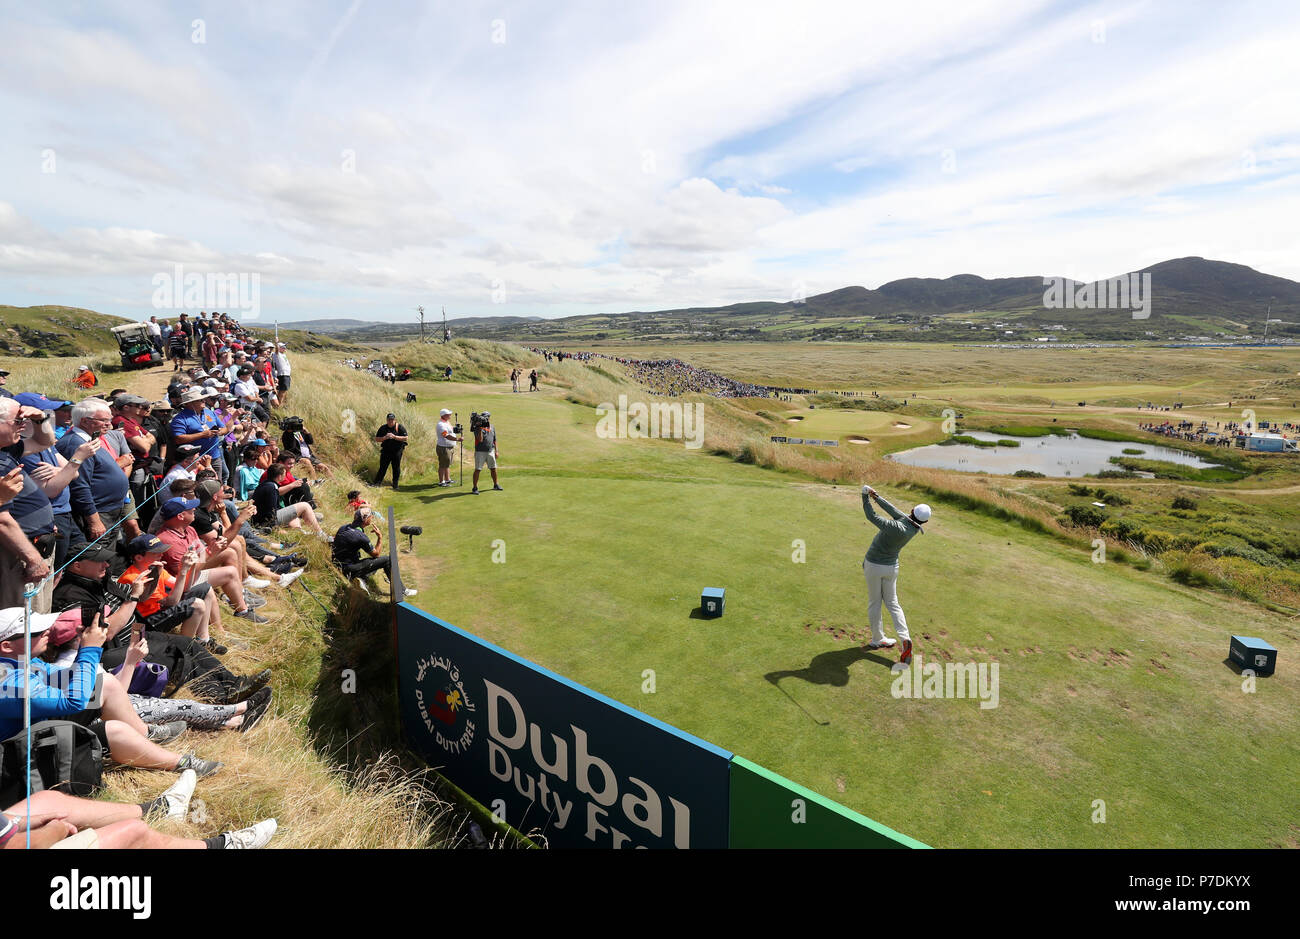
(444,457)
(169,617)
(283,382)
(286,515)
(84,839)
(484,460)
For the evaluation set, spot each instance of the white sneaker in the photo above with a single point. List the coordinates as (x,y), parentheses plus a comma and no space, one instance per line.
(287,579)
(882,644)
(254,583)
(254,836)
(179,795)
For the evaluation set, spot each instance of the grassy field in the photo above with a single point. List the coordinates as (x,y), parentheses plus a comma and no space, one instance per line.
(1112,680)
(1110,676)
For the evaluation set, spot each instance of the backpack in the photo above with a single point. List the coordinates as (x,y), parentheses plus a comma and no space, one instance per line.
(65,756)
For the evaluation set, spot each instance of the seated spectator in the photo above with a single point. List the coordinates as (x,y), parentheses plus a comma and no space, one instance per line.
(153,709)
(300,444)
(222,570)
(249,473)
(293,489)
(172,602)
(210,532)
(266,497)
(58,820)
(179,489)
(351,540)
(187,661)
(66,694)
(85,378)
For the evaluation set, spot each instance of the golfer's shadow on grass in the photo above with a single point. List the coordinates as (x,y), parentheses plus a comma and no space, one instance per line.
(828,668)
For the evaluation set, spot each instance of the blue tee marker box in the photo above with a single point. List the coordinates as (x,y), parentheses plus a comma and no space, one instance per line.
(1254,654)
(712,600)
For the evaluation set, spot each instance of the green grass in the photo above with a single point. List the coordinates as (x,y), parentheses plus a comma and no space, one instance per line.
(608,543)
(1165,470)
(1025,431)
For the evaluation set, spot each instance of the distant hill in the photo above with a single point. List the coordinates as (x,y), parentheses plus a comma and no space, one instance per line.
(55,330)
(1189,297)
(327,325)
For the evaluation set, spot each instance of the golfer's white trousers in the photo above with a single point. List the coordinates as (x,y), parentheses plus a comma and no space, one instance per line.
(882,587)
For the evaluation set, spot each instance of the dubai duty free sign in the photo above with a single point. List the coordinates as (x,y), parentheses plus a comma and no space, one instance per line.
(549,756)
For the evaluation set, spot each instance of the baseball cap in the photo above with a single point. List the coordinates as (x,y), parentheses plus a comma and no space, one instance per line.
(11,622)
(65,627)
(921,513)
(173,507)
(33,400)
(146,544)
(391,417)
(445,412)
(4,371)
(188,448)
(207,489)
(83,368)
(101,552)
(161,405)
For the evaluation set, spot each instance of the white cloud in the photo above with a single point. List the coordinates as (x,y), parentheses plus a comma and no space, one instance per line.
(649,157)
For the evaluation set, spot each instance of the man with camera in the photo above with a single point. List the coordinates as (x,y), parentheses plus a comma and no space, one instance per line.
(391,437)
(485,448)
(448,436)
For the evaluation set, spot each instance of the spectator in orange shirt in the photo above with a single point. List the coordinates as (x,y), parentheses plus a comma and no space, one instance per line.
(170,605)
(85,378)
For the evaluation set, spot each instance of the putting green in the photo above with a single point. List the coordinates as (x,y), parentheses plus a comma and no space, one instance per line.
(1112,685)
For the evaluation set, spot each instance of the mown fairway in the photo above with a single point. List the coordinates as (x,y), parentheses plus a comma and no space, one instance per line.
(1112,681)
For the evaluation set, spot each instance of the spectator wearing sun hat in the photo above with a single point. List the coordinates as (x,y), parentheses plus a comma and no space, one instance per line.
(197,423)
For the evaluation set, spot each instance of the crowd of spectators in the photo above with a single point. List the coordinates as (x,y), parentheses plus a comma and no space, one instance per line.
(121,539)
(673,376)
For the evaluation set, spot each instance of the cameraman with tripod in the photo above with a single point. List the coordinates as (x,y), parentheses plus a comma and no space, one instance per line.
(448,437)
(485,448)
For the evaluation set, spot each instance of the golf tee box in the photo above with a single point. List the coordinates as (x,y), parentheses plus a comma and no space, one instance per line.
(712,600)
(1254,654)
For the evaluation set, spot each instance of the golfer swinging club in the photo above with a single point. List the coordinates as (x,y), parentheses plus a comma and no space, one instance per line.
(881,568)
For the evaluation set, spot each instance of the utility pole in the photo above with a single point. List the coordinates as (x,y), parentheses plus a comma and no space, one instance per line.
(420,310)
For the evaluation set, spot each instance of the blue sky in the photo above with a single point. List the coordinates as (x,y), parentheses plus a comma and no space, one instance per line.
(553,158)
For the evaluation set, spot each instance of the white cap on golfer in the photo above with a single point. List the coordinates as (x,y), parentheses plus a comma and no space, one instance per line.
(921,513)
(444,413)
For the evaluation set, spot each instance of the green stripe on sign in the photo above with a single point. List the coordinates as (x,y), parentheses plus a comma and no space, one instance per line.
(770,811)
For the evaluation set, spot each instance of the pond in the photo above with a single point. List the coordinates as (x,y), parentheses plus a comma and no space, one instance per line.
(1051,455)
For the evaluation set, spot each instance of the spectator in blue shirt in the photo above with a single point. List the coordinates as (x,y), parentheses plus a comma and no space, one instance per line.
(198,424)
(63,694)
(101,501)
